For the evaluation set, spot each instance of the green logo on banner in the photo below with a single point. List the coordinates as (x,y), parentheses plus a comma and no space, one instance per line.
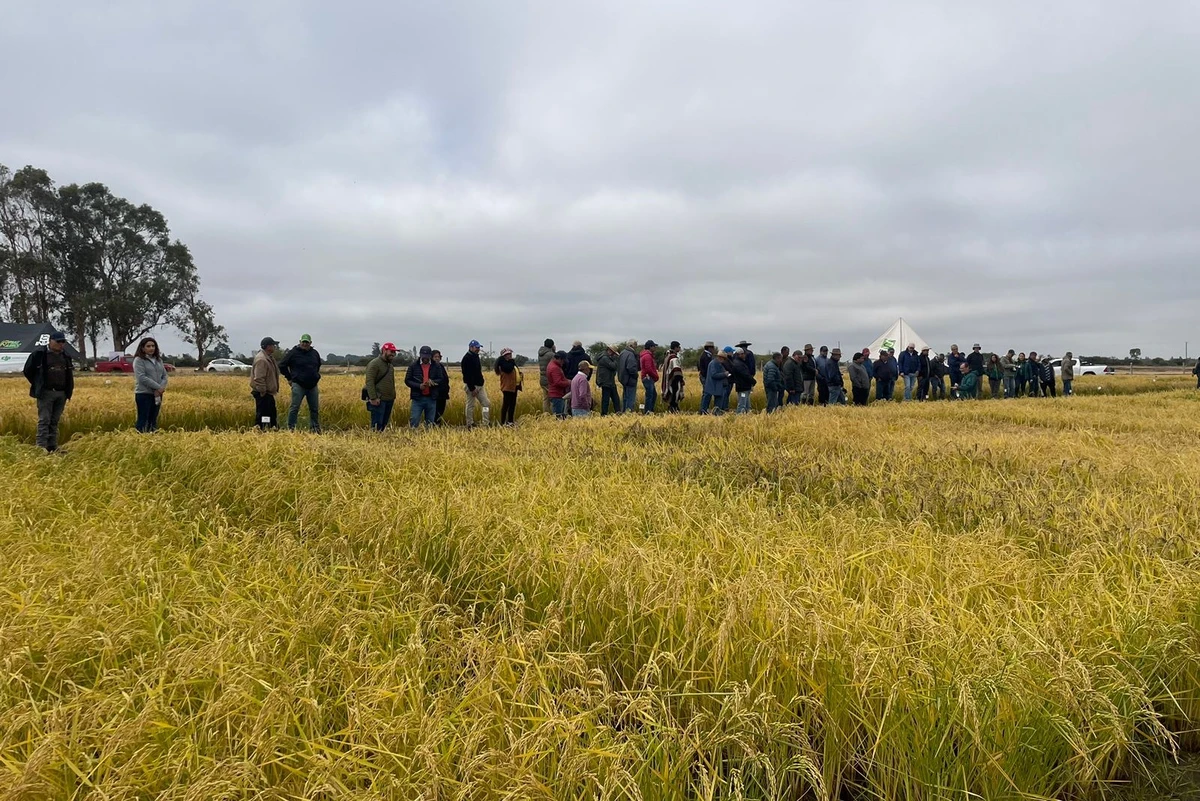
(888,343)
(10,344)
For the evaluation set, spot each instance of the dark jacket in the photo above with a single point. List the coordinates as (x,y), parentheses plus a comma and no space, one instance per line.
(1047,373)
(750,361)
(833,373)
(35,373)
(627,368)
(472,370)
(574,357)
(300,366)
(887,368)
(910,362)
(706,358)
(742,380)
(772,376)
(923,366)
(975,362)
(413,378)
(808,368)
(937,367)
(859,377)
(793,381)
(953,361)
(606,370)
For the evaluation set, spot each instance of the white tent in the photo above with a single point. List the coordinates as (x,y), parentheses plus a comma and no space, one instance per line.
(898,336)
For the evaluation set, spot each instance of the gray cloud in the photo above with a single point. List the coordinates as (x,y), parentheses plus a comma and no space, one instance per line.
(1019,175)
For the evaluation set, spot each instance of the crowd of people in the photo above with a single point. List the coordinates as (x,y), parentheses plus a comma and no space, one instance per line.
(806,376)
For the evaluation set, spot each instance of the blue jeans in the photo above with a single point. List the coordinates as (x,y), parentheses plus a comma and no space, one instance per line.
(1010,386)
(910,381)
(630,397)
(651,394)
(422,407)
(725,399)
(147,412)
(299,395)
(609,395)
(884,389)
(743,406)
(381,414)
(774,399)
(837,396)
(1067,382)
(580,412)
(558,407)
(722,402)
(705,401)
(793,397)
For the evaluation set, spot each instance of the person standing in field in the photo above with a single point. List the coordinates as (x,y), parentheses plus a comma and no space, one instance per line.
(1047,377)
(822,362)
(379,387)
(833,378)
(545,356)
(574,356)
(510,384)
(627,375)
(443,392)
(472,373)
(264,384)
(869,366)
(1068,374)
(793,383)
(883,376)
(1008,366)
(581,390)
(149,384)
(51,378)
(423,378)
(773,381)
(976,361)
(558,385)
(1033,371)
(672,378)
(747,356)
(953,362)
(808,377)
(606,380)
(995,375)
(968,382)
(923,374)
(860,380)
(716,383)
(910,365)
(937,377)
(743,381)
(1196,372)
(301,368)
(648,370)
(706,357)
(1021,374)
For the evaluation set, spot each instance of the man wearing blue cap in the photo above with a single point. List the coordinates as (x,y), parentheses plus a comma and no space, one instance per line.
(51,383)
(472,373)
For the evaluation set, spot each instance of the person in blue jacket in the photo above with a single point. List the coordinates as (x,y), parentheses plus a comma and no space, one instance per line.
(910,365)
(716,384)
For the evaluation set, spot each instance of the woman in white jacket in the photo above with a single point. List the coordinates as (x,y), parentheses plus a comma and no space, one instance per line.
(149,384)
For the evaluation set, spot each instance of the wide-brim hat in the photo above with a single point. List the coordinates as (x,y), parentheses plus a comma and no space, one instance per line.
(743,344)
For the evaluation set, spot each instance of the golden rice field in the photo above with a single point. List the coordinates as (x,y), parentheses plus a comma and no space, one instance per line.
(990,600)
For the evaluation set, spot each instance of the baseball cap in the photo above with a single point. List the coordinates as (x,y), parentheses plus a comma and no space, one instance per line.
(650,343)
(474,344)
(306,338)
(426,350)
(727,349)
(58,336)
(388,346)
(267,342)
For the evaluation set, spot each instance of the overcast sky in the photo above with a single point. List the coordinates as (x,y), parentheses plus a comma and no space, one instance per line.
(1021,174)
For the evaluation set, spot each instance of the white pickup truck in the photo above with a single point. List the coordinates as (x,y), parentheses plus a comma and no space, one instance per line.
(1082,368)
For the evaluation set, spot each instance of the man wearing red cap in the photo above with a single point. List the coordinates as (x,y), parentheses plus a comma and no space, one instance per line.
(379,388)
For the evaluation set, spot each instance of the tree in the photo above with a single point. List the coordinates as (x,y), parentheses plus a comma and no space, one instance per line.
(521,360)
(29,275)
(375,351)
(221,350)
(596,350)
(194,319)
(1135,354)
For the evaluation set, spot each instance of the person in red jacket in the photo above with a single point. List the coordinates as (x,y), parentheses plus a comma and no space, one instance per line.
(557,384)
(649,370)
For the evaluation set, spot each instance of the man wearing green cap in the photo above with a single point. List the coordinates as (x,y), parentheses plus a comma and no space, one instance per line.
(301,366)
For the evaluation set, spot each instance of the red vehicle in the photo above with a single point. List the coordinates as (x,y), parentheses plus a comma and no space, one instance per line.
(123,364)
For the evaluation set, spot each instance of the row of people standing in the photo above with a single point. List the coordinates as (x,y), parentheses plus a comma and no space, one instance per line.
(619,370)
